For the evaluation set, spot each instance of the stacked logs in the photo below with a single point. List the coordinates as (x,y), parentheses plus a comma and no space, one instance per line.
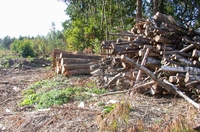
(155,52)
(69,64)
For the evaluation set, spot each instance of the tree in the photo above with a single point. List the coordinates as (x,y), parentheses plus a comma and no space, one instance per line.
(5,43)
(139,9)
(155,6)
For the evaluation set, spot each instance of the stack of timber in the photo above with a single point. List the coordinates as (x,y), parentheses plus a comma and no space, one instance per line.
(158,54)
(69,64)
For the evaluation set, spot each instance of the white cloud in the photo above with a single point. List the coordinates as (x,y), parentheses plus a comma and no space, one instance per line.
(30,17)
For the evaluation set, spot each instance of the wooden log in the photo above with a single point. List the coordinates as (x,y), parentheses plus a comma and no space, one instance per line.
(76,61)
(182,94)
(83,56)
(97,72)
(120,40)
(58,69)
(152,61)
(196,53)
(130,39)
(128,75)
(56,52)
(192,83)
(174,52)
(108,42)
(122,34)
(151,54)
(183,60)
(189,47)
(94,66)
(190,78)
(142,63)
(112,80)
(148,72)
(173,79)
(117,49)
(197,44)
(196,63)
(66,67)
(160,39)
(77,72)
(191,70)
(164,47)
(196,38)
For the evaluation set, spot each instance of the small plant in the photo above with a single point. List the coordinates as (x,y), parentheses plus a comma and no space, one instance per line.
(114,117)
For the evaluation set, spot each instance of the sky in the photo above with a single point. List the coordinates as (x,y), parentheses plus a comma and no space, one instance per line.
(30,17)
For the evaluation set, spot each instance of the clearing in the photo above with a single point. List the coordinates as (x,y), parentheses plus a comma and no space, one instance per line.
(155,113)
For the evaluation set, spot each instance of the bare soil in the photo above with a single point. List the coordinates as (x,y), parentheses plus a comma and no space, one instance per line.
(150,111)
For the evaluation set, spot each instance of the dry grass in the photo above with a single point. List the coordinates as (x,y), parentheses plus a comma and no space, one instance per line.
(118,117)
(5,53)
(182,122)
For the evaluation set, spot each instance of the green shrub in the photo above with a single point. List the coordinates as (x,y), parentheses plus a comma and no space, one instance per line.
(23,47)
(26,49)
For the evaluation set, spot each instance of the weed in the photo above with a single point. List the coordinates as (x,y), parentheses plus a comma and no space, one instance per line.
(44,94)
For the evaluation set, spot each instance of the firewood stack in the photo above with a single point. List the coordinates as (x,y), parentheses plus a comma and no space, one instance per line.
(161,47)
(69,64)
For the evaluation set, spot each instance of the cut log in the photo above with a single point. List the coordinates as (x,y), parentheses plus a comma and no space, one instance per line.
(152,54)
(76,61)
(76,72)
(196,53)
(191,78)
(160,39)
(164,47)
(83,56)
(66,67)
(142,63)
(191,70)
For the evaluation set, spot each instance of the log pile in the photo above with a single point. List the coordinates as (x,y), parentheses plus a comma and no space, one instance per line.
(157,51)
(69,64)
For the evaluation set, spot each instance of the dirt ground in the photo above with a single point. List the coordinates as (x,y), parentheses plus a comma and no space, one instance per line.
(149,111)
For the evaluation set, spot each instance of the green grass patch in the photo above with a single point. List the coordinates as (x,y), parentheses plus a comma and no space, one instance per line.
(46,93)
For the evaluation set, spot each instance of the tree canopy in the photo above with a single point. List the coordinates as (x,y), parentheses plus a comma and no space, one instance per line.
(95,19)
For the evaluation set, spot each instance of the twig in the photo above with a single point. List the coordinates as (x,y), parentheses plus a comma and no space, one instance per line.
(112,80)
(142,63)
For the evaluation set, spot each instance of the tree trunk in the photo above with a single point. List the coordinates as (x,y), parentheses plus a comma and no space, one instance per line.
(139,9)
(155,6)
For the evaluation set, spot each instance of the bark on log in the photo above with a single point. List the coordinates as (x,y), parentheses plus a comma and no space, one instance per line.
(191,70)
(66,67)
(83,56)
(142,63)
(76,61)
(76,72)
(196,53)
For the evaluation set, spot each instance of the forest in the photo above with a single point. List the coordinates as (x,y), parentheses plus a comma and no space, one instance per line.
(91,21)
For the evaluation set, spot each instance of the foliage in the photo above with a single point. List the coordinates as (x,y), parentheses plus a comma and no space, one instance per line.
(44,94)
(26,49)
(5,42)
(23,47)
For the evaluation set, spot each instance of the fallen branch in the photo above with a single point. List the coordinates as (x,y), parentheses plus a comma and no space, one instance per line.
(182,94)
(149,73)
(112,80)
